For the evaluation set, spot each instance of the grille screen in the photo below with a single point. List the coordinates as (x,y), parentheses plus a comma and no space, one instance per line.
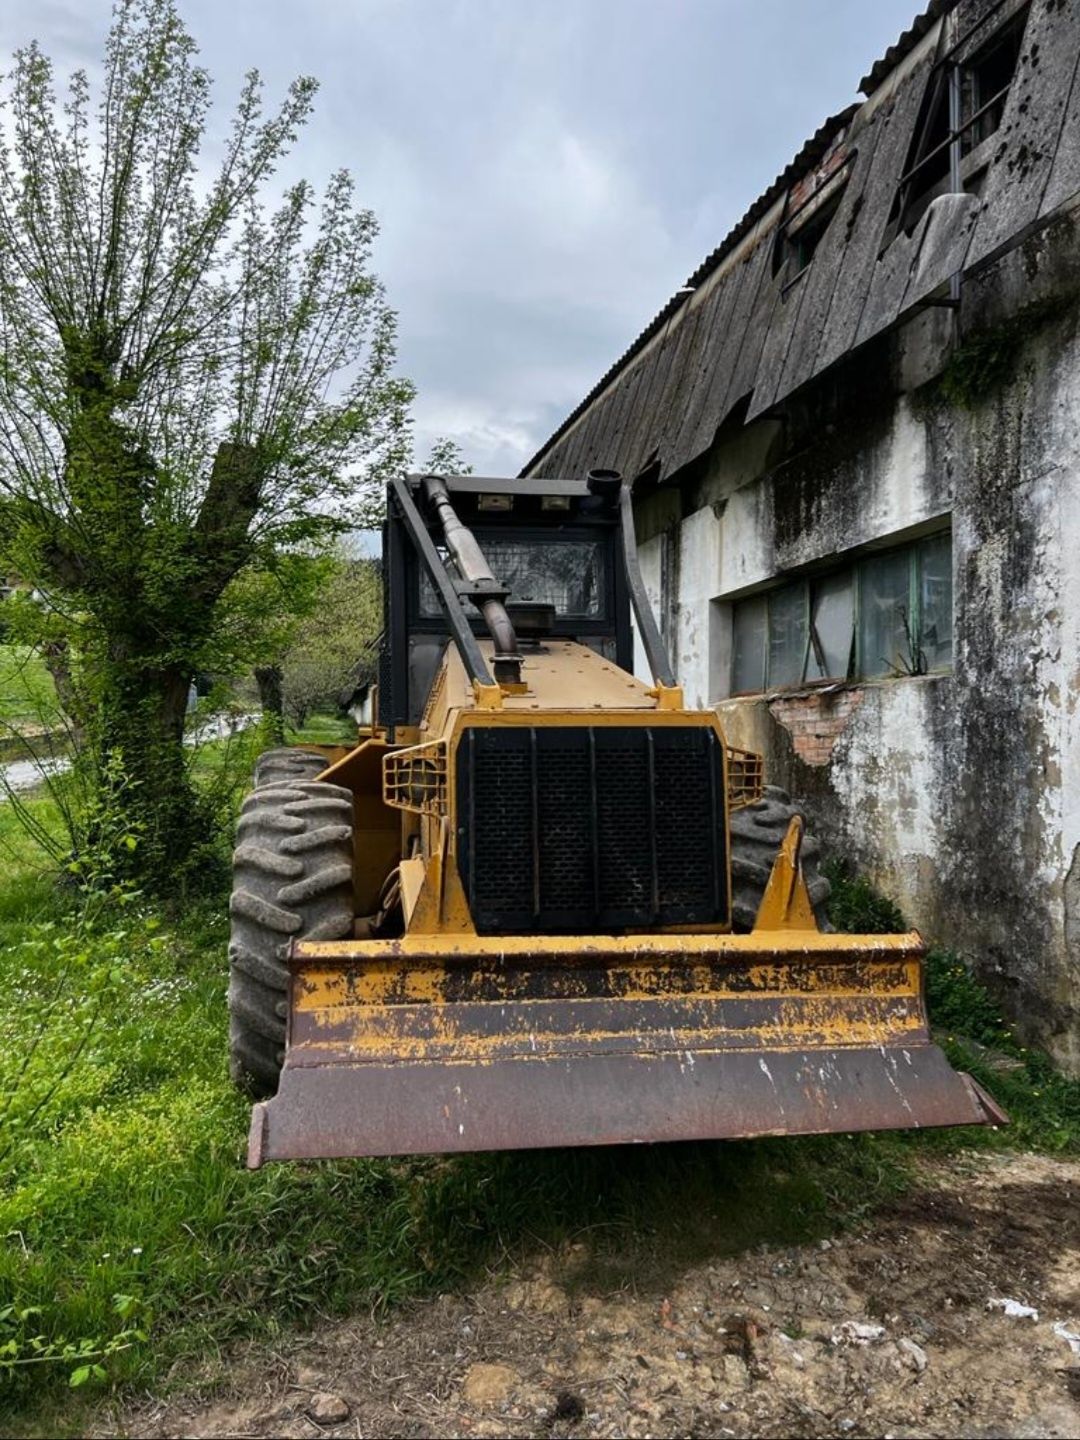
(578,828)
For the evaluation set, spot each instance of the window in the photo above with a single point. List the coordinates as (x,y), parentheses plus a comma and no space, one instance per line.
(889,613)
(984,84)
(802,231)
(963,107)
(568,574)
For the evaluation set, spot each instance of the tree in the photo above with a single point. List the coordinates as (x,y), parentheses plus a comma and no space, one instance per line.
(331,648)
(446,458)
(190,384)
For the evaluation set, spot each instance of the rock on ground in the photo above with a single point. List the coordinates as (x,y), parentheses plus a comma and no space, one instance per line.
(884,1332)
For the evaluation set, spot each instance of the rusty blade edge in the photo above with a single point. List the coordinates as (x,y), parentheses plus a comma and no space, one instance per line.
(342,1110)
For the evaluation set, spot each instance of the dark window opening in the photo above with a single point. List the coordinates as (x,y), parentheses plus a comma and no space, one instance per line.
(568,574)
(798,238)
(962,108)
(985,82)
(888,614)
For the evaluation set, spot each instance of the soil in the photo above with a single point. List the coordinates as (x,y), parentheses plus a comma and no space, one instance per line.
(891,1330)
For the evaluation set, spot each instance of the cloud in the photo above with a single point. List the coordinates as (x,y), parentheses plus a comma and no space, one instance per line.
(545,172)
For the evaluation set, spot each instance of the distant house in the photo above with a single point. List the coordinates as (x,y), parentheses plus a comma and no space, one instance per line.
(854,438)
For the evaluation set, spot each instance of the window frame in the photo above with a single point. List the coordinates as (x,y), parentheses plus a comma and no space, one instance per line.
(815,214)
(857,671)
(964,146)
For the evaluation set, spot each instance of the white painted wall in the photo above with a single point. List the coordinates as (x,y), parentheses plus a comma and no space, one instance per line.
(959,795)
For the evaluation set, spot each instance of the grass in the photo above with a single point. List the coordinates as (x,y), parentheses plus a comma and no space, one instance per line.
(122,1173)
(26,688)
(323,728)
(967,1021)
(130,1181)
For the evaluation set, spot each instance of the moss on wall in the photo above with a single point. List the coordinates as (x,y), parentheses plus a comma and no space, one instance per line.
(986,360)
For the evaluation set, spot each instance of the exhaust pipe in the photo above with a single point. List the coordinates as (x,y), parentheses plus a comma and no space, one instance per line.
(469,559)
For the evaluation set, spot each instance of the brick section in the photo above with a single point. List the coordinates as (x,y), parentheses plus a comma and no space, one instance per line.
(814,719)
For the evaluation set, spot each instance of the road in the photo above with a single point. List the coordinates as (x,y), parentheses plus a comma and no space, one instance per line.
(26,774)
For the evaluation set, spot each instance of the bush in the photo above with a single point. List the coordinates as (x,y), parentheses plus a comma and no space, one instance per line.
(856,906)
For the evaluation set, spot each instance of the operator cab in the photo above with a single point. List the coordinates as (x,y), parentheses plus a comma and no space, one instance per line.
(555,549)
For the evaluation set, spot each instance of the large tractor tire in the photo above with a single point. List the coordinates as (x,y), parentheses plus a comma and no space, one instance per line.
(287,763)
(757,832)
(292,880)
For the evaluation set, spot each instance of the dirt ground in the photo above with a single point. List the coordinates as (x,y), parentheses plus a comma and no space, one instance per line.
(899,1329)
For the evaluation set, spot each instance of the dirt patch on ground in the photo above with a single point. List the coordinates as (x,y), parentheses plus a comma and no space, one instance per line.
(901,1329)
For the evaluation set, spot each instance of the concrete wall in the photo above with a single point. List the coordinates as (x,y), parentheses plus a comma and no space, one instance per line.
(960,793)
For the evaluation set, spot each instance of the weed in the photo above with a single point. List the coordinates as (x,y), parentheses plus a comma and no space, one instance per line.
(857,906)
(988,359)
(21,1344)
(1043,1105)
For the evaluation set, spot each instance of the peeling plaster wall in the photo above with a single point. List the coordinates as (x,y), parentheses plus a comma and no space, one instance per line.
(959,794)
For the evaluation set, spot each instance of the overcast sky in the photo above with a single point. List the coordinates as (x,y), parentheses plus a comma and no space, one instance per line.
(545,172)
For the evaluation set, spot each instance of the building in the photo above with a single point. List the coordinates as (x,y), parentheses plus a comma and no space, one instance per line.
(854,438)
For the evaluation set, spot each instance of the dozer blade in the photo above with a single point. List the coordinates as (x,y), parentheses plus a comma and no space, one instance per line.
(443,1043)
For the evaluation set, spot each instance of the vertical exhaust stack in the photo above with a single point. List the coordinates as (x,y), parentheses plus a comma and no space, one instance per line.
(469,559)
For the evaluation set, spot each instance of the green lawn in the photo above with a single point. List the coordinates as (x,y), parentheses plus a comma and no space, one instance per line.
(121,1175)
(324,728)
(27,695)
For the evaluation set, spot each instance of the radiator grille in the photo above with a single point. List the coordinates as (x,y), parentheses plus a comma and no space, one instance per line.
(574,828)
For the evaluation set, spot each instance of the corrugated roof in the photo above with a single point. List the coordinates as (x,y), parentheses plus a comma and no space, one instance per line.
(811,152)
(805,160)
(906,43)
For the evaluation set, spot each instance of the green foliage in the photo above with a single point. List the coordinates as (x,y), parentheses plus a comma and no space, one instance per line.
(856,906)
(260,611)
(27,695)
(192,389)
(982,364)
(332,648)
(446,458)
(1043,1105)
(960,1005)
(987,360)
(21,1344)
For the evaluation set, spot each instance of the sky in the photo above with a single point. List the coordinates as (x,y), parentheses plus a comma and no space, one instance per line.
(546,173)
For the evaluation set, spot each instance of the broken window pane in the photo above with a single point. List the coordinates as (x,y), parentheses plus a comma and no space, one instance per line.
(884,609)
(935,601)
(982,79)
(985,81)
(748,646)
(834,624)
(889,614)
(787,635)
(798,239)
